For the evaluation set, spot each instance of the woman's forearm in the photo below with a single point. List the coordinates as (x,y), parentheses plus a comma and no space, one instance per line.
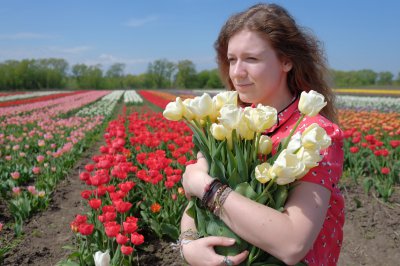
(187,222)
(288,235)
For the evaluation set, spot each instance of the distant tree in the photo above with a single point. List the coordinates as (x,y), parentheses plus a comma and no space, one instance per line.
(88,77)
(161,72)
(385,78)
(214,80)
(138,81)
(114,75)
(186,74)
(202,78)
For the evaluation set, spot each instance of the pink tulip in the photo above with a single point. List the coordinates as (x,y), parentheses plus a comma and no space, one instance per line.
(36,170)
(40,158)
(15,175)
(16,190)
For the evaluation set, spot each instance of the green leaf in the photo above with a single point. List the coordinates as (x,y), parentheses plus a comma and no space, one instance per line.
(67,263)
(170,230)
(216,227)
(246,190)
(234,179)
(217,170)
(191,209)
(201,221)
(280,197)
(231,163)
(241,163)
(367,184)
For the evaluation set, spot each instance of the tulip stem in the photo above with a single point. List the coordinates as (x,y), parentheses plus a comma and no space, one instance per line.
(266,188)
(292,131)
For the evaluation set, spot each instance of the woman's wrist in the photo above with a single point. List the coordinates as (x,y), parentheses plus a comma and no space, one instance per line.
(185,238)
(203,190)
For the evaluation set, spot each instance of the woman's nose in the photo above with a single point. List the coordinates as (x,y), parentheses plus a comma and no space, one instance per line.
(239,70)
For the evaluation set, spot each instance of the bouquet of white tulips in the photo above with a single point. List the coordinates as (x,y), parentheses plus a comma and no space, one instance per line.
(239,155)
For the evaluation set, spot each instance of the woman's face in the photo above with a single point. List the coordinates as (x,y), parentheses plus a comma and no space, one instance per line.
(256,71)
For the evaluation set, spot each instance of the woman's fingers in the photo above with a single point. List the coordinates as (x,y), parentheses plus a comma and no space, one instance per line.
(199,155)
(220,241)
(239,258)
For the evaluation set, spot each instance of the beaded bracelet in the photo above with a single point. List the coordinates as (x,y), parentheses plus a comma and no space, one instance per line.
(210,191)
(212,203)
(220,200)
(185,238)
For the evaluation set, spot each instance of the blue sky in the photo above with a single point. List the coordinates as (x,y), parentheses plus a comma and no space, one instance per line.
(356,34)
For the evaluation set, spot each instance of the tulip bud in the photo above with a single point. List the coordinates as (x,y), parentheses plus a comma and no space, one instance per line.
(262,173)
(265,145)
(218,131)
(311,103)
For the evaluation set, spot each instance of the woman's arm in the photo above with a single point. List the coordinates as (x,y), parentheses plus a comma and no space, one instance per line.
(288,235)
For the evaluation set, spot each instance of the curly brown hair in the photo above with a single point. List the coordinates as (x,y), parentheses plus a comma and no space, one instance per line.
(290,41)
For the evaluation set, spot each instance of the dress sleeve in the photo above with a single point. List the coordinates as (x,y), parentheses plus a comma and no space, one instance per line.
(330,168)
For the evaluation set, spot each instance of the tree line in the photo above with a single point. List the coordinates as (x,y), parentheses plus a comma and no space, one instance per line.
(55,73)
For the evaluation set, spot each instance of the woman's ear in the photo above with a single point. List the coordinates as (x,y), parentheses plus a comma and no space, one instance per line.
(287,65)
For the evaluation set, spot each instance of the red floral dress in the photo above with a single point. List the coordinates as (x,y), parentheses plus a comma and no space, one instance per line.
(326,248)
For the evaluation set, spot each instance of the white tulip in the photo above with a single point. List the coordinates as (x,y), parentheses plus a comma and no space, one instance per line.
(262,172)
(287,168)
(294,143)
(310,158)
(174,110)
(201,106)
(224,98)
(311,103)
(230,116)
(102,259)
(314,137)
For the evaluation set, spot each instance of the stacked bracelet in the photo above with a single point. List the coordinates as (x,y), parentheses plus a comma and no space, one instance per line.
(185,238)
(214,196)
(210,191)
(220,200)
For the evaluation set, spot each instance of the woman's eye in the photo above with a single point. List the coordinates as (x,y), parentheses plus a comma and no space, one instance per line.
(231,60)
(251,59)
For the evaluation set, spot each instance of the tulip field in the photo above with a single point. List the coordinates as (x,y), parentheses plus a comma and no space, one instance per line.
(130,189)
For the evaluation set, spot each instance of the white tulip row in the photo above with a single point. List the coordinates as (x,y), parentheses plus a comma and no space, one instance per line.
(28,95)
(383,104)
(115,95)
(103,107)
(131,96)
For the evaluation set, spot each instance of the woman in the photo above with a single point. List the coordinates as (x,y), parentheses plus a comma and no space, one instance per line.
(267,58)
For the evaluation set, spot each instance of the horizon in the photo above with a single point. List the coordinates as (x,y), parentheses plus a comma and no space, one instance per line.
(356,35)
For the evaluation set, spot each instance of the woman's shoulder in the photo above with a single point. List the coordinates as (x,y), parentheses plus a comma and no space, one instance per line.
(332,129)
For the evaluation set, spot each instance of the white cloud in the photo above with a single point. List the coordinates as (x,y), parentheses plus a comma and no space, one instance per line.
(138,22)
(71,50)
(24,36)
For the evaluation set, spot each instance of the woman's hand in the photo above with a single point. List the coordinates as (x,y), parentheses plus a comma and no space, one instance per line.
(195,178)
(201,252)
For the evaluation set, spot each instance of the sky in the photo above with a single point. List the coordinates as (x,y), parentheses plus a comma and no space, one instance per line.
(356,34)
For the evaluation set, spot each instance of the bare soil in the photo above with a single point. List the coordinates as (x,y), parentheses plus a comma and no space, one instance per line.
(371,232)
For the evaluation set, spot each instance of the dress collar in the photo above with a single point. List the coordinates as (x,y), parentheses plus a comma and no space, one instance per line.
(285,114)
